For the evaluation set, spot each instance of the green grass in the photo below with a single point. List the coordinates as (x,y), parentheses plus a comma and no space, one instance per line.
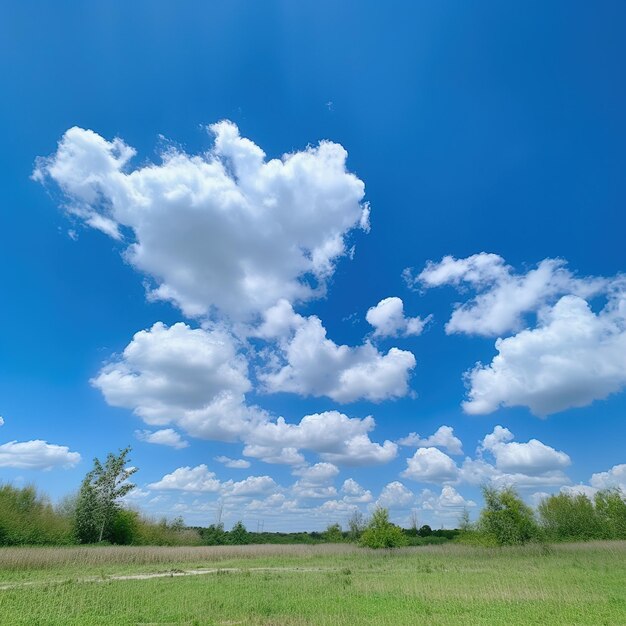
(334,585)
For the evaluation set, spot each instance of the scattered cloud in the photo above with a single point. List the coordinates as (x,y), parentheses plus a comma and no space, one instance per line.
(233,463)
(165,437)
(388,319)
(615,477)
(395,496)
(573,357)
(443,438)
(430,465)
(37,455)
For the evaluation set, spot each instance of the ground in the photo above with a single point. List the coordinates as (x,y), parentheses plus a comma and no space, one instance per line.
(327,584)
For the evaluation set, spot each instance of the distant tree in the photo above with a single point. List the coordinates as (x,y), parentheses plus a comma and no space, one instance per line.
(98,500)
(356,525)
(465,524)
(611,512)
(238,534)
(425,531)
(178,524)
(333,534)
(214,535)
(506,519)
(413,530)
(565,516)
(381,533)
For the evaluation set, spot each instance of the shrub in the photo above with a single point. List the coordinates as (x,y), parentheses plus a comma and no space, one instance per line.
(381,533)
(570,517)
(238,534)
(333,534)
(506,519)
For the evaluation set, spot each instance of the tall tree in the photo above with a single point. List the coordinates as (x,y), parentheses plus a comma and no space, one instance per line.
(100,493)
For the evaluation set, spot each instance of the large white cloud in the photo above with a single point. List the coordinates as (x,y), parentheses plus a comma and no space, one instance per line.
(224,230)
(309,363)
(395,496)
(573,357)
(190,377)
(388,319)
(503,297)
(532,458)
(194,479)
(442,438)
(36,454)
(430,465)
(448,503)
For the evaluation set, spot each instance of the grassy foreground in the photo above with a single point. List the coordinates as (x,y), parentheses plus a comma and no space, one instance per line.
(328,584)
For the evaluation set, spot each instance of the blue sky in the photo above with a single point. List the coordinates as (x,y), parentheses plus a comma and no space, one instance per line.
(485,150)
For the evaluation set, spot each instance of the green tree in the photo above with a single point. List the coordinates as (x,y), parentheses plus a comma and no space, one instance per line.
(381,533)
(506,519)
(333,534)
(425,531)
(99,497)
(238,534)
(565,516)
(214,535)
(356,525)
(611,511)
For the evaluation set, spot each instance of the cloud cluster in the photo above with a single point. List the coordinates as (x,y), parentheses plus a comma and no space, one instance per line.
(310,364)
(573,357)
(502,296)
(226,230)
(164,436)
(442,438)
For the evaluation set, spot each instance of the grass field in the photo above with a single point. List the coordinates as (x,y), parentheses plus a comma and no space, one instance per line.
(327,584)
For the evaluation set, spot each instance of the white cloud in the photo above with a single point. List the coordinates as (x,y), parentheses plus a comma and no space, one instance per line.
(165,437)
(355,493)
(272,454)
(225,230)
(360,450)
(532,458)
(615,477)
(575,490)
(442,438)
(430,465)
(251,486)
(448,503)
(395,496)
(193,378)
(503,297)
(574,356)
(310,364)
(194,479)
(1,421)
(36,454)
(317,474)
(388,319)
(233,463)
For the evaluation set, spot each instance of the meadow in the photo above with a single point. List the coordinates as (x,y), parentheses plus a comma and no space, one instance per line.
(332,584)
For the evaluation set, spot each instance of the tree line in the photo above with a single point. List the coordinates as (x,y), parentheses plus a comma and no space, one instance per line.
(97,514)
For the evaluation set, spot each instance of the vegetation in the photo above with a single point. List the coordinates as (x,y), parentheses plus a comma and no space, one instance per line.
(381,533)
(334,584)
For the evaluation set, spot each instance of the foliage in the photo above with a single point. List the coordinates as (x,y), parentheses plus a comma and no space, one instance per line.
(506,519)
(381,533)
(214,535)
(356,525)
(98,504)
(238,534)
(333,534)
(568,517)
(425,531)
(611,512)
(26,518)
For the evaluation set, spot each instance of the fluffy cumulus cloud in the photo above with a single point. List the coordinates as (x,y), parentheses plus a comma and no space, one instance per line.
(36,454)
(354,492)
(164,437)
(395,496)
(227,230)
(533,457)
(573,357)
(502,296)
(448,503)
(194,479)
(336,437)
(193,378)
(388,319)
(615,477)
(430,465)
(442,438)
(310,364)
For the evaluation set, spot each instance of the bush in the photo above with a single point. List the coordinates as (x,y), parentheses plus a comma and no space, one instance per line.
(569,517)
(238,535)
(506,519)
(26,518)
(333,534)
(381,533)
